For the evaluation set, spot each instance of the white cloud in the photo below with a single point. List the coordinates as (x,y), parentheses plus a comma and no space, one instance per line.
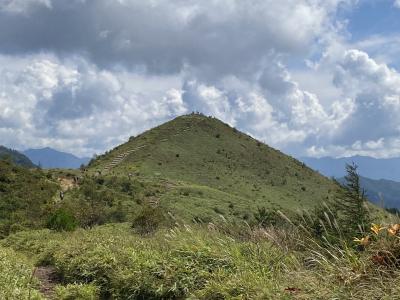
(22,6)
(73,106)
(280,70)
(371,126)
(215,37)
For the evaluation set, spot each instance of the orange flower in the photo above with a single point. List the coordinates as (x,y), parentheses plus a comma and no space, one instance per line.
(394,229)
(375,228)
(363,241)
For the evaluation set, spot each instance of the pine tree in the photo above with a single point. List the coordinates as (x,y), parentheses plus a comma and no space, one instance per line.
(350,206)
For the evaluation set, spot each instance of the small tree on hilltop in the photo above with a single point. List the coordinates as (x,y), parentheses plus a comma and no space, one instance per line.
(351,207)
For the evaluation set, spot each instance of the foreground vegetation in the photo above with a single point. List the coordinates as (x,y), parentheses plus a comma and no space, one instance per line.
(308,256)
(16,276)
(213,263)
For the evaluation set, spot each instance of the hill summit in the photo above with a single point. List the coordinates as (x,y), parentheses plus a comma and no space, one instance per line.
(208,167)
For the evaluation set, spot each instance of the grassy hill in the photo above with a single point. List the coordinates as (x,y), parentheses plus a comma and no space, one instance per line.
(195,168)
(205,168)
(24,194)
(16,157)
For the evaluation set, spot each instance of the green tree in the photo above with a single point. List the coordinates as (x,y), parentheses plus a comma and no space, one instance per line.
(351,206)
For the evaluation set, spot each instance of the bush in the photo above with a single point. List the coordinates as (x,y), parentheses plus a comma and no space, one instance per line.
(265,217)
(78,292)
(149,220)
(61,220)
(16,281)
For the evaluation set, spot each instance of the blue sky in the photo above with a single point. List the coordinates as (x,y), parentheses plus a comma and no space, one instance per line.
(309,77)
(372,17)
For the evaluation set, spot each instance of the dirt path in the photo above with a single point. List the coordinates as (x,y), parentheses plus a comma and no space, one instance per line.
(66,183)
(48,279)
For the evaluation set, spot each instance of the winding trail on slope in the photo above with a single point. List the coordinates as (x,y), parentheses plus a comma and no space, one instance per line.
(119,158)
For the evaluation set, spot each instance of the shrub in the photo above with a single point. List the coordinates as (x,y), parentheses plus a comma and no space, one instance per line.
(148,220)
(16,281)
(126,187)
(61,220)
(265,217)
(218,210)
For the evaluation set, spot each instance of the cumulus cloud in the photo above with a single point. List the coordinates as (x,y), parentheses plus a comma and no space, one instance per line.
(371,126)
(22,6)
(73,105)
(163,36)
(375,89)
(82,76)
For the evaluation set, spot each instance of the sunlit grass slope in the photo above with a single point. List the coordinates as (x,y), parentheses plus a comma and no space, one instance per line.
(209,168)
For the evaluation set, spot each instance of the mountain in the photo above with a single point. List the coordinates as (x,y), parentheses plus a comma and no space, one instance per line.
(384,168)
(202,167)
(50,158)
(382,192)
(16,157)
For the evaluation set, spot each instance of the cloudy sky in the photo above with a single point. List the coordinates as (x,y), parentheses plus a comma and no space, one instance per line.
(309,77)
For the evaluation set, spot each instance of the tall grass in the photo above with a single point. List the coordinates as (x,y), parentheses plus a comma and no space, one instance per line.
(16,277)
(218,261)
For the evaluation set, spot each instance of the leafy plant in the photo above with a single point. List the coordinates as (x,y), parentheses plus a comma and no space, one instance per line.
(149,220)
(266,217)
(61,220)
(16,279)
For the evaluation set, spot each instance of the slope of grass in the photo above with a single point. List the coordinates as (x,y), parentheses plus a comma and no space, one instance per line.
(207,263)
(213,162)
(24,194)
(16,279)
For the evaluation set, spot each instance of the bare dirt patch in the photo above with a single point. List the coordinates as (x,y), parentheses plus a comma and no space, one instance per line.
(66,183)
(48,279)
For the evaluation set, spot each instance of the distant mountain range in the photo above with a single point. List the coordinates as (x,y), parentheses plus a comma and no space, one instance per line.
(379,177)
(382,192)
(382,168)
(50,158)
(16,157)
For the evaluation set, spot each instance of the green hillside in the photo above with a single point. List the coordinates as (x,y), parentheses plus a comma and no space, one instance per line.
(16,157)
(24,194)
(205,168)
(194,168)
